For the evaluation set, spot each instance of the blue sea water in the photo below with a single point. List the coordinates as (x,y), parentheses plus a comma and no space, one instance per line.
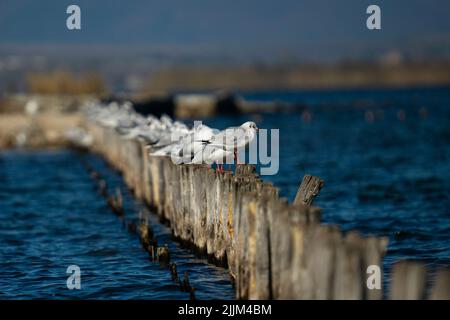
(51,217)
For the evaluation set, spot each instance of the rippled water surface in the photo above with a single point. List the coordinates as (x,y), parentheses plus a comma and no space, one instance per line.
(51,217)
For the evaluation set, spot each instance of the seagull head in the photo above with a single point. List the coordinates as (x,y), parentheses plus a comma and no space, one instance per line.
(249,125)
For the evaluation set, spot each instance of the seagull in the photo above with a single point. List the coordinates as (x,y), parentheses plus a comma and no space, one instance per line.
(167,137)
(210,154)
(225,143)
(236,137)
(184,149)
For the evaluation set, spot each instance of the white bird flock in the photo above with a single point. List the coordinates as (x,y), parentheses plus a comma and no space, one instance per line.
(167,137)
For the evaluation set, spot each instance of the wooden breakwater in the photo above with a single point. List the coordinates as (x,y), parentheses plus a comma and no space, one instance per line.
(273,249)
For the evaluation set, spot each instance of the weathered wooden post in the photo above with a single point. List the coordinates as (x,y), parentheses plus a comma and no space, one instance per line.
(349,274)
(116,203)
(145,179)
(408,281)
(308,190)
(441,287)
(260,263)
(102,188)
(173,271)
(185,284)
(244,244)
(373,254)
(243,169)
(145,234)
(280,237)
(202,178)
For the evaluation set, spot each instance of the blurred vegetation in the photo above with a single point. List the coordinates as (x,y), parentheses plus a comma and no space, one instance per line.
(64,82)
(298,77)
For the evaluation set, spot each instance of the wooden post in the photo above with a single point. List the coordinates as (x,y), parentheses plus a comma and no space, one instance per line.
(185,284)
(163,255)
(373,254)
(243,169)
(308,190)
(145,234)
(408,281)
(173,271)
(441,287)
(144,173)
(201,180)
(260,271)
(245,245)
(349,274)
(280,237)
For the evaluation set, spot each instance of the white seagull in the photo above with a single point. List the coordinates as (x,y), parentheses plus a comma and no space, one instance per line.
(226,143)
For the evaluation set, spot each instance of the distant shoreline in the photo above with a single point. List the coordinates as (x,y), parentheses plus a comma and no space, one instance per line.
(307,77)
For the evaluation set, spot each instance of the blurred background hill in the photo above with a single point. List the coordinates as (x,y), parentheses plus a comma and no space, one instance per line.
(144,48)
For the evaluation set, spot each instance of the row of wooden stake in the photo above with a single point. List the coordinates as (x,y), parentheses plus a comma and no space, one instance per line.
(273,249)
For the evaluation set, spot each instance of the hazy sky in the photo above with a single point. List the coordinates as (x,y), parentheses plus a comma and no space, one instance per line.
(305,28)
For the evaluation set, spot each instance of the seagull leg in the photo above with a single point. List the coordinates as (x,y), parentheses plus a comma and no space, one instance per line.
(236,161)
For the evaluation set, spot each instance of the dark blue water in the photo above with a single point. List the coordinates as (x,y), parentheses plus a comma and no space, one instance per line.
(385,159)
(51,217)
